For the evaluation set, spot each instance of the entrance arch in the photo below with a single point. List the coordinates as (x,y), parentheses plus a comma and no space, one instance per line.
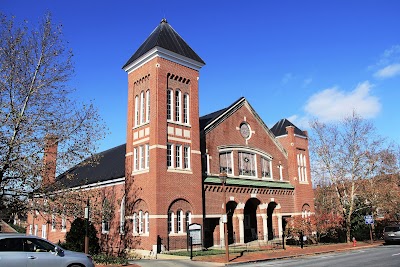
(250,220)
(230,210)
(270,210)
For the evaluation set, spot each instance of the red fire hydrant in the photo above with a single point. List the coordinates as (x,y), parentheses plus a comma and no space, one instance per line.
(354,242)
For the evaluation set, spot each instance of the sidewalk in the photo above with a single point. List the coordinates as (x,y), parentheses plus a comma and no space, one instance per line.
(289,252)
(274,254)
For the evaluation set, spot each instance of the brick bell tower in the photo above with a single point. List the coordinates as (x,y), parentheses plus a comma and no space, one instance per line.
(163,160)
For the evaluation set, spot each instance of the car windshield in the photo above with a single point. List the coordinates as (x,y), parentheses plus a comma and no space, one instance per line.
(392,228)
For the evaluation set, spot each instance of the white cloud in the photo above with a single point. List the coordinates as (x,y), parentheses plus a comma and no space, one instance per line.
(388,71)
(334,104)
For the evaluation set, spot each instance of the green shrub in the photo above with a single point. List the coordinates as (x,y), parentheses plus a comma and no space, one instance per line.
(75,240)
(109,259)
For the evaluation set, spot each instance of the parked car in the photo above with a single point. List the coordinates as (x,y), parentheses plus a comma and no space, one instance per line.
(391,233)
(18,250)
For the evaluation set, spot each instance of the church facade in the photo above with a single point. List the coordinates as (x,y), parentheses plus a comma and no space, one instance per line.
(179,169)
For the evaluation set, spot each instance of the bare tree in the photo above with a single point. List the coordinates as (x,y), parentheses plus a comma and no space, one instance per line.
(36,102)
(347,153)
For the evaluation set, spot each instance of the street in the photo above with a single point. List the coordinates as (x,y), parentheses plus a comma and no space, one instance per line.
(378,256)
(385,256)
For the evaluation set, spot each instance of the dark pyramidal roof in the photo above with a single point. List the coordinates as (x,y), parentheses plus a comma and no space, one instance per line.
(166,37)
(280,128)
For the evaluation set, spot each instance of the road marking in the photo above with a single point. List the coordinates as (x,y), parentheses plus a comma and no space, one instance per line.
(396,254)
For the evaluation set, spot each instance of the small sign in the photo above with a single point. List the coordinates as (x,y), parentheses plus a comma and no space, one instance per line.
(369,219)
(195,233)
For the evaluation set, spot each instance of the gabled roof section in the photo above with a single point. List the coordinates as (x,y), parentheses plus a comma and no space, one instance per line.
(110,165)
(212,120)
(209,118)
(280,128)
(164,36)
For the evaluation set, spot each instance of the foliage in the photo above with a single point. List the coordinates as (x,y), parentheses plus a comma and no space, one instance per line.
(109,259)
(346,154)
(18,228)
(37,103)
(75,239)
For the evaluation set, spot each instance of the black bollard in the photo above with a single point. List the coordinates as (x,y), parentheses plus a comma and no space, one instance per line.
(301,240)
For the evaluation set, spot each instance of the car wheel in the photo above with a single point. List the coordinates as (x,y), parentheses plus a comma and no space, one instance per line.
(75,265)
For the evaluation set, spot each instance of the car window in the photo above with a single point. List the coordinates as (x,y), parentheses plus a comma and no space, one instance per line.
(11,244)
(392,228)
(38,245)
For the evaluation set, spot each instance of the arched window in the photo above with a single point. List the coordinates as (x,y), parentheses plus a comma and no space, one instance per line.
(136,110)
(186,108)
(122,217)
(169,104)
(177,105)
(148,105)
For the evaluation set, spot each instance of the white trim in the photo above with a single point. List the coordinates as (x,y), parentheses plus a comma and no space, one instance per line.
(166,54)
(195,151)
(141,141)
(179,139)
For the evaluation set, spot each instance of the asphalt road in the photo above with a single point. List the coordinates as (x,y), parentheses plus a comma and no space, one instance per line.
(383,256)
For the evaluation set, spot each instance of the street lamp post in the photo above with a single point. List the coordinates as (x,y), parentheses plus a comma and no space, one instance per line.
(223,178)
(87,227)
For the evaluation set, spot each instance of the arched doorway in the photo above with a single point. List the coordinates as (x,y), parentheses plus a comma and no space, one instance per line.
(250,220)
(230,210)
(270,210)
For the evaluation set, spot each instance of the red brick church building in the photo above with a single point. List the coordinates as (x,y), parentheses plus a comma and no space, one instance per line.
(167,176)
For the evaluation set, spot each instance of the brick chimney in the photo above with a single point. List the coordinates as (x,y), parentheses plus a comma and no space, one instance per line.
(49,160)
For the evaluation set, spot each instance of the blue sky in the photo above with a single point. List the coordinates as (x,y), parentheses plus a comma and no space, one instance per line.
(290,59)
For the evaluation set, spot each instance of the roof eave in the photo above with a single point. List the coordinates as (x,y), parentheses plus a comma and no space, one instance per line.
(166,54)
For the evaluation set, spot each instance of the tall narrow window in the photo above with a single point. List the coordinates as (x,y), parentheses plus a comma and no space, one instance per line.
(146,222)
(122,217)
(178,158)
(225,162)
(36,230)
(188,218)
(134,222)
(280,172)
(265,168)
(63,223)
(179,221)
(186,108)
(135,159)
(44,231)
(171,220)
(177,105)
(30,229)
(142,157)
(247,164)
(169,155)
(148,105)
(169,104)
(53,222)
(186,157)
(302,167)
(142,111)
(140,222)
(136,110)
(147,155)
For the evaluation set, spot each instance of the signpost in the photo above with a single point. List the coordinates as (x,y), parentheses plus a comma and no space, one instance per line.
(194,236)
(369,220)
